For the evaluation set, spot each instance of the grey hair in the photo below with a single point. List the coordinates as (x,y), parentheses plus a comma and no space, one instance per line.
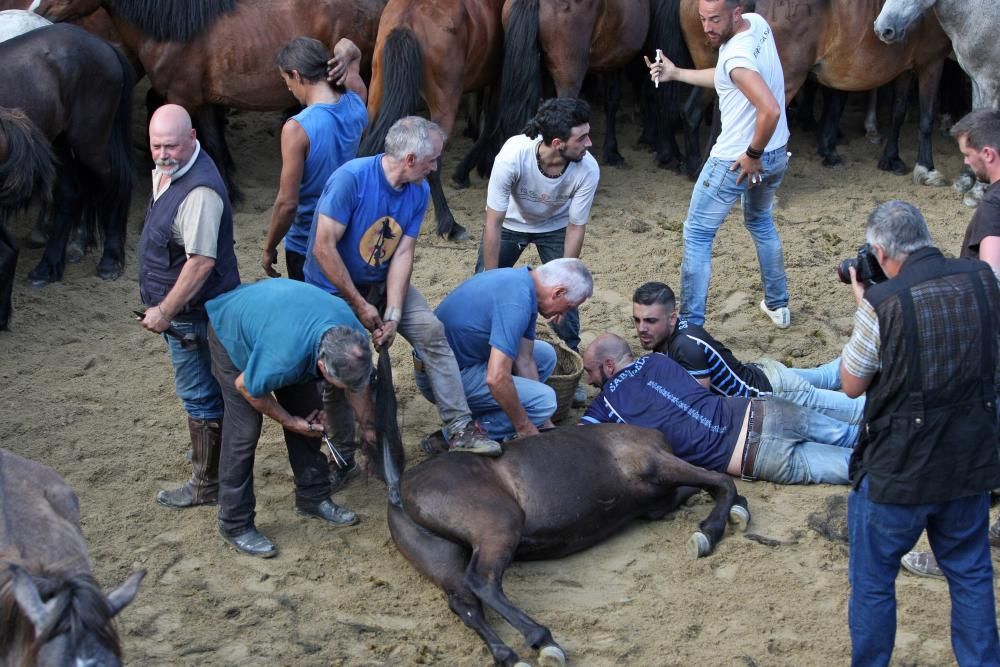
(347,356)
(898,228)
(411,134)
(570,273)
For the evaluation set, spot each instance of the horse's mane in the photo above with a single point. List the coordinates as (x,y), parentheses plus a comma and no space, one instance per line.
(171,20)
(29,165)
(81,609)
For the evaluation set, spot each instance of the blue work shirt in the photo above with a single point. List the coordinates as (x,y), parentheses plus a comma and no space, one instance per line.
(272,330)
(655,392)
(491,309)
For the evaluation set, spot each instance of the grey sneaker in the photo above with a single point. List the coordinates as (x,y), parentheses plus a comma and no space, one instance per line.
(922,564)
(782,317)
(473,439)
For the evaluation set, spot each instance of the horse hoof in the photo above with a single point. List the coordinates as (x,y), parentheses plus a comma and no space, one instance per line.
(739,517)
(522,663)
(933,177)
(458,233)
(963,183)
(699,545)
(551,656)
(109,270)
(974,195)
(74,253)
(832,160)
(874,138)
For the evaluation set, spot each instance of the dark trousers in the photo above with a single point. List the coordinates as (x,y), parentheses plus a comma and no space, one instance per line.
(550,245)
(240,433)
(295,265)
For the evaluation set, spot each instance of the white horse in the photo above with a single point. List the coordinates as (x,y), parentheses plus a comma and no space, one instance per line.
(971,26)
(14,22)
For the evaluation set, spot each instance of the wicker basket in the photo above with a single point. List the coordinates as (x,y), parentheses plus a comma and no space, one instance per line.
(564,379)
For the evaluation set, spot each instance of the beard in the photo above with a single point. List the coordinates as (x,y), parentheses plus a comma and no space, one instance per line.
(167,166)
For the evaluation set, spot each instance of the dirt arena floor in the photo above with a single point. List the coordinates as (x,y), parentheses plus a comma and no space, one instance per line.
(86,391)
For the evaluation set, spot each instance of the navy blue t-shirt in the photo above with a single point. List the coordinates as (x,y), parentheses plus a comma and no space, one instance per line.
(703,356)
(655,392)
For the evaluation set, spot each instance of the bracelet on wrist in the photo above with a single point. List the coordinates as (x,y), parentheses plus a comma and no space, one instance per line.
(753,153)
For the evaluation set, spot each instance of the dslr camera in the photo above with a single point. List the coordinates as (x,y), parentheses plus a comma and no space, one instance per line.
(866,267)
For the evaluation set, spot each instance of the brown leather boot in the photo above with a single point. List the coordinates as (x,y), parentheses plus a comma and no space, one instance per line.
(203,487)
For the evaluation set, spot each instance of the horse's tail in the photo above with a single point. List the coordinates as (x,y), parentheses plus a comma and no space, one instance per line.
(401,71)
(29,168)
(119,196)
(521,79)
(390,443)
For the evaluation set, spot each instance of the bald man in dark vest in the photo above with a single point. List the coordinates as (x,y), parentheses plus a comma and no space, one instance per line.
(186,257)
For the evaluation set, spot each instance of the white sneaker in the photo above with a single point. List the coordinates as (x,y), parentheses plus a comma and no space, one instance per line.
(782,317)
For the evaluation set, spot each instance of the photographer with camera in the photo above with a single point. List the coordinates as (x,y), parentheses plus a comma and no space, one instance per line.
(924,350)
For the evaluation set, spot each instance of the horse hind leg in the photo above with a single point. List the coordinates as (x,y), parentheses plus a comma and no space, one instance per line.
(65,213)
(612,100)
(8,265)
(444,562)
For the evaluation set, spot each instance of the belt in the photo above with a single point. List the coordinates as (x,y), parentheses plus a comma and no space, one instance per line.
(755,423)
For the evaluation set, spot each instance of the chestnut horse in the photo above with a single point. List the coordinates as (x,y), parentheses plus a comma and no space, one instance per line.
(77,89)
(461,519)
(834,40)
(27,171)
(438,50)
(210,54)
(52,611)
(971,25)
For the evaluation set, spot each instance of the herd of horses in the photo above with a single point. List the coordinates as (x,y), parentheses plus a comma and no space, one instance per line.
(65,102)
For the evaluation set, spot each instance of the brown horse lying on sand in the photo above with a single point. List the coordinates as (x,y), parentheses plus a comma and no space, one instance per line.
(461,519)
(52,612)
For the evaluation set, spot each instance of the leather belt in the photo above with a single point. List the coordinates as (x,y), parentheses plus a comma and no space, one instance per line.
(755,423)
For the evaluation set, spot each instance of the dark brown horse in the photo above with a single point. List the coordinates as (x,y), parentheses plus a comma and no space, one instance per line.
(27,171)
(52,611)
(78,90)
(834,40)
(438,50)
(207,55)
(461,519)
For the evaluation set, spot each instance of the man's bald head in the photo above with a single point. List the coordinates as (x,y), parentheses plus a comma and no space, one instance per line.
(608,354)
(171,138)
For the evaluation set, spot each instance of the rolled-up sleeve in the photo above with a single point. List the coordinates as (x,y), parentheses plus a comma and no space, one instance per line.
(862,354)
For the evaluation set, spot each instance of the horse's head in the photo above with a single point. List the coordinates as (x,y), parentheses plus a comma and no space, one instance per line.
(71,618)
(896,18)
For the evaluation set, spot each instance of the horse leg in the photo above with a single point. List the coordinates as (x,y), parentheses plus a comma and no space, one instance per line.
(694,115)
(833,108)
(928,83)
(210,121)
(612,100)
(8,265)
(473,110)
(65,212)
(890,160)
(871,118)
(444,562)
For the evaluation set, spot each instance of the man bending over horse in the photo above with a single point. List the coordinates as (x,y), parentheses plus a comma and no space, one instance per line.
(186,257)
(490,323)
(748,161)
(541,190)
(763,437)
(361,248)
(314,142)
(271,343)
(716,368)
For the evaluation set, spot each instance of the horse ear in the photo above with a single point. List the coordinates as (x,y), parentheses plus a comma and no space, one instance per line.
(122,596)
(30,602)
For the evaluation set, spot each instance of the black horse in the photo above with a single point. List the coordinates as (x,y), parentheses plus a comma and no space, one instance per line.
(26,168)
(461,519)
(52,612)
(77,89)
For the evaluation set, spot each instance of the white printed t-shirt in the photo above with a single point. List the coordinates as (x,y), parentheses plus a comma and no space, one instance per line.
(752,49)
(535,203)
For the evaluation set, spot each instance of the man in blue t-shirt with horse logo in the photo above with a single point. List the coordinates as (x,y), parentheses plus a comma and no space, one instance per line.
(361,249)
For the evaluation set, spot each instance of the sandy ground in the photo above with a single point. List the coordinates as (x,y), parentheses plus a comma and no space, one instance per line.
(86,391)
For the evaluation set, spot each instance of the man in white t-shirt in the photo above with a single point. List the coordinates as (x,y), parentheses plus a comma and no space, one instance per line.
(541,189)
(748,160)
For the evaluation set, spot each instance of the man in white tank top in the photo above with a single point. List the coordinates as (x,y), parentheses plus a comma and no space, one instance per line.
(749,159)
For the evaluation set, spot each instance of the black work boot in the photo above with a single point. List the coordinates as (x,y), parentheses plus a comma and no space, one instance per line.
(203,487)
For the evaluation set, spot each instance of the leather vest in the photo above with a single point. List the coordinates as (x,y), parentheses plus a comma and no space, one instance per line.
(930,424)
(161,258)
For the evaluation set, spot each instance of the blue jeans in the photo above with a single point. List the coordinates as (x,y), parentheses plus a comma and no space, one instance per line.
(789,385)
(880,533)
(802,446)
(537,398)
(193,379)
(714,194)
(550,245)
(826,376)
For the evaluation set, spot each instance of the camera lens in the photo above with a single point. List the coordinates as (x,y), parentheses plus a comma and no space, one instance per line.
(844,270)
